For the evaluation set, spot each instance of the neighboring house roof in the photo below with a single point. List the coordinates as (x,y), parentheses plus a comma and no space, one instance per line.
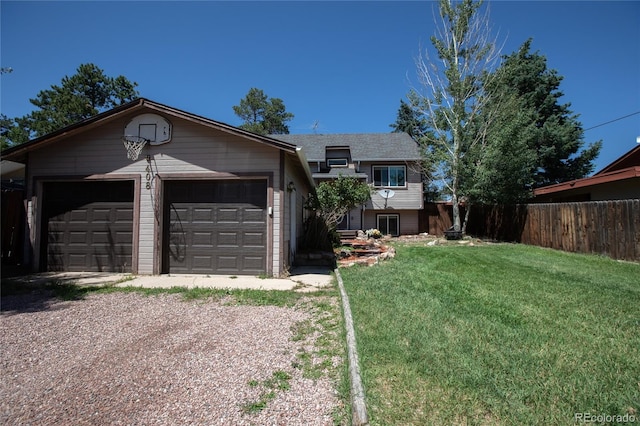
(630,159)
(617,175)
(625,167)
(363,146)
(18,153)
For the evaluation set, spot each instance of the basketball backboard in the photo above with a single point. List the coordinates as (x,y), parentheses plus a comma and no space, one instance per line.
(152,127)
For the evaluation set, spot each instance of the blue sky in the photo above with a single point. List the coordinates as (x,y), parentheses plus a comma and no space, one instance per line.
(342,65)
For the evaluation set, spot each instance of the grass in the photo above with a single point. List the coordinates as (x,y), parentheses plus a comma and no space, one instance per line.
(279,381)
(496,334)
(70,291)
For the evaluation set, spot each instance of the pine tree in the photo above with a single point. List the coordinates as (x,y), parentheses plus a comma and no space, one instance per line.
(557,136)
(263,115)
(81,96)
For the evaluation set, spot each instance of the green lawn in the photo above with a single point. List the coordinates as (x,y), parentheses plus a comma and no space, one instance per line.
(496,334)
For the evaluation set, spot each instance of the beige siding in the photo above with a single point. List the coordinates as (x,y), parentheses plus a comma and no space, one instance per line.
(407,198)
(294,174)
(193,150)
(408,220)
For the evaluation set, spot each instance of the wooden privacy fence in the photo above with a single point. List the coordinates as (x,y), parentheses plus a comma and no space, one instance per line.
(610,228)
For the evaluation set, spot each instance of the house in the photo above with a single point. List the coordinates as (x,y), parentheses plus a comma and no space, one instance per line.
(201,197)
(386,161)
(620,180)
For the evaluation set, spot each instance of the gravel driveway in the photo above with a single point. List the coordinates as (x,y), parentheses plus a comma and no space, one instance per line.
(126,358)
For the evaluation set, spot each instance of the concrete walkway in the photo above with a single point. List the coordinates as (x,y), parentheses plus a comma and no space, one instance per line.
(303,279)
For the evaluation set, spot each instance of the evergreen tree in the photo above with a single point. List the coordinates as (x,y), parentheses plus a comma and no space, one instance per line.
(263,115)
(11,132)
(502,165)
(409,121)
(81,96)
(557,136)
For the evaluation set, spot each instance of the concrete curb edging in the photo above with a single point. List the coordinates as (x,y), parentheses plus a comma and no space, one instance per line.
(358,406)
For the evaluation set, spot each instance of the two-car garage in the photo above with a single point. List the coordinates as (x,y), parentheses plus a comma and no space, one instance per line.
(149,189)
(209,226)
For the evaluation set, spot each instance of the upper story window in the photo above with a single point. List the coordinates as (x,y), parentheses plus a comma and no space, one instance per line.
(394,176)
(337,162)
(337,156)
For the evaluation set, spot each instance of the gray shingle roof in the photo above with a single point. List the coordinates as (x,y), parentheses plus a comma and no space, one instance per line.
(363,146)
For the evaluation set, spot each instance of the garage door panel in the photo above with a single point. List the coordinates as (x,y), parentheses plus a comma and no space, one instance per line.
(229,215)
(203,214)
(178,214)
(254,215)
(77,216)
(124,238)
(254,263)
(254,239)
(202,262)
(89,226)
(100,238)
(202,239)
(78,237)
(216,230)
(77,260)
(123,215)
(227,264)
(227,240)
(101,215)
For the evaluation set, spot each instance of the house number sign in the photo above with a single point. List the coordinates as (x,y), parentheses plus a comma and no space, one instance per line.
(149,177)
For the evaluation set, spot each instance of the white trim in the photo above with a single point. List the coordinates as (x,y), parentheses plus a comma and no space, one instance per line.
(373,173)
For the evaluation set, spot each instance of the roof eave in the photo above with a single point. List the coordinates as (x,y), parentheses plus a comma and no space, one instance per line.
(305,166)
(16,153)
(617,175)
(612,166)
(288,147)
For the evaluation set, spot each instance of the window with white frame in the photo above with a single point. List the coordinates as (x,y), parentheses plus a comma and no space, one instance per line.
(394,176)
(389,224)
(337,162)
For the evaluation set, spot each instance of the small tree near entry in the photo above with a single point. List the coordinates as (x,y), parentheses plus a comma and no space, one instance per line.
(331,200)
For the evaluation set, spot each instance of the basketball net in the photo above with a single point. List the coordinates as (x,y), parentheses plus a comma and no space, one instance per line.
(134,145)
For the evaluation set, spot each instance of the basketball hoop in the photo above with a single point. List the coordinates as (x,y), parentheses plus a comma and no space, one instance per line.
(134,145)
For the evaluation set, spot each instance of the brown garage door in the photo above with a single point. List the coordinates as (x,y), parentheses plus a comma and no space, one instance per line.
(215,227)
(87,226)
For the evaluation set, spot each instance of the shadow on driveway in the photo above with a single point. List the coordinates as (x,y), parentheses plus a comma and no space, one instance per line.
(46,291)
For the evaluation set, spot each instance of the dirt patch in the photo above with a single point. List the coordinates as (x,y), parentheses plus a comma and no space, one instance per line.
(132,359)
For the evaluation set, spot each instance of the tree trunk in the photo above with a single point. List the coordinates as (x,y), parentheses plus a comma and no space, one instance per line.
(454,185)
(466,218)
(456,213)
